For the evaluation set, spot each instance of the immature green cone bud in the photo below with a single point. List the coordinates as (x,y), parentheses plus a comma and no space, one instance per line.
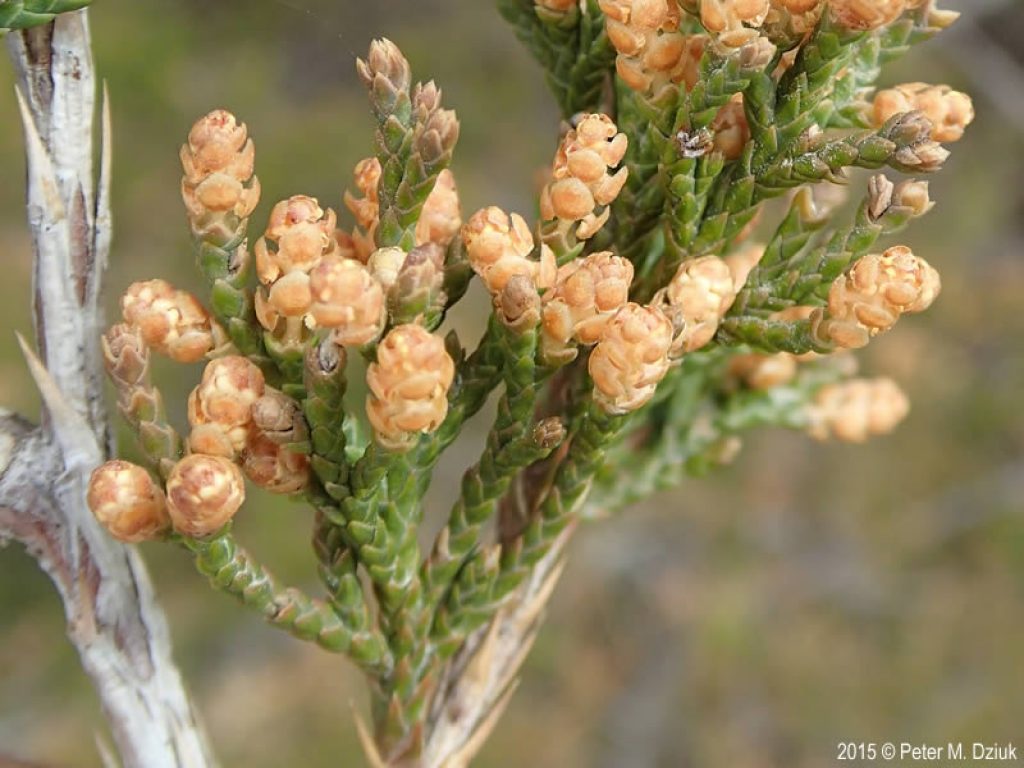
(274,467)
(587,293)
(630,358)
(127,502)
(418,285)
(949,111)
(498,247)
(172,322)
(220,408)
(441,217)
(764,371)
(733,23)
(917,151)
(386,74)
(652,53)
(408,386)
(437,130)
(696,299)
(347,299)
(854,410)
(870,298)
(582,181)
(203,494)
(218,188)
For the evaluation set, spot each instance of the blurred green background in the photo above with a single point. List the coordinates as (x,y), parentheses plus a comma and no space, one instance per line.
(805,596)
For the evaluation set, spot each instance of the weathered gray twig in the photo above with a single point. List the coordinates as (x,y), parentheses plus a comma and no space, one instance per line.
(113,617)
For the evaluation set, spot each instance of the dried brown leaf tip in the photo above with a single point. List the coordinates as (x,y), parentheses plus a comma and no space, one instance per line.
(408,385)
(583,180)
(870,298)
(854,410)
(127,501)
(630,358)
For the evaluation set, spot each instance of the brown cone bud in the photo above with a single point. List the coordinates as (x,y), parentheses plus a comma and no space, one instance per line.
(696,299)
(441,217)
(949,111)
(870,298)
(651,51)
(385,264)
(203,494)
(347,299)
(278,417)
(731,130)
(854,410)
(869,14)
(299,235)
(274,467)
(587,293)
(172,322)
(220,408)
(498,247)
(733,23)
(630,358)
(764,371)
(218,166)
(408,386)
(127,502)
(366,209)
(581,178)
(913,195)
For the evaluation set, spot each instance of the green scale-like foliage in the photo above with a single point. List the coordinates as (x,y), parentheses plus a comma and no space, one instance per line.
(553,455)
(24,14)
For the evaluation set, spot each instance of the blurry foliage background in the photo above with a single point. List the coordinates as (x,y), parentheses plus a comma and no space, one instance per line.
(804,596)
